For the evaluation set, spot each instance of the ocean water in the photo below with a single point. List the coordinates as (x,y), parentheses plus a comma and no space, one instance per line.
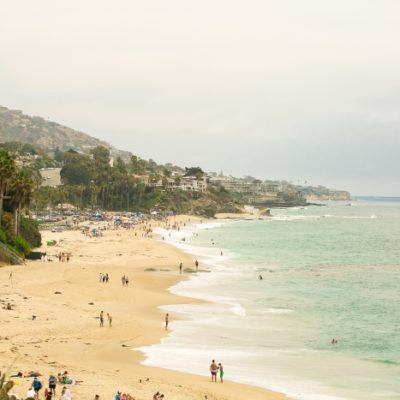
(328,272)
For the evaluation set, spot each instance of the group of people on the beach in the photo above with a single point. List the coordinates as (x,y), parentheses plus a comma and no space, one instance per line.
(216,369)
(62,256)
(44,257)
(50,391)
(62,380)
(181,270)
(103,278)
(101,319)
(119,396)
(125,280)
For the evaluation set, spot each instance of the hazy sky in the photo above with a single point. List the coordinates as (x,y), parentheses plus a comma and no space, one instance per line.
(283,89)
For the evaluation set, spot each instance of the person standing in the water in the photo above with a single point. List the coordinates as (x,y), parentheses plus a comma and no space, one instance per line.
(166,321)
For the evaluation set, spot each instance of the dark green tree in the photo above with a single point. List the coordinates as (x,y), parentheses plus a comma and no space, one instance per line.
(7,170)
(120,166)
(137,166)
(194,171)
(77,169)
(21,189)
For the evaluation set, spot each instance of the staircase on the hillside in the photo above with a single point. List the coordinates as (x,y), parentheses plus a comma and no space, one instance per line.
(8,256)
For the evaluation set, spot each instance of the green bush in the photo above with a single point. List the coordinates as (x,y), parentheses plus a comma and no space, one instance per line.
(7,225)
(21,245)
(29,230)
(3,236)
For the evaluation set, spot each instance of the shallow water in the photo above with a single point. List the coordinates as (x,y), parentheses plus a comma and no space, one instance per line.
(328,272)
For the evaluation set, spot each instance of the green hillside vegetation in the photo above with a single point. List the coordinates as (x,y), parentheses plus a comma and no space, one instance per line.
(17,185)
(89,181)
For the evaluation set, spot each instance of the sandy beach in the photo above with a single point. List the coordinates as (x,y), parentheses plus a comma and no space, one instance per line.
(66,299)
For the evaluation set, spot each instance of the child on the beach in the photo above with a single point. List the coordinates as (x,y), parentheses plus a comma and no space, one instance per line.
(221,372)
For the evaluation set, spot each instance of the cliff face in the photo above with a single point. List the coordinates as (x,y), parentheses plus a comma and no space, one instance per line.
(322,193)
(16,126)
(335,195)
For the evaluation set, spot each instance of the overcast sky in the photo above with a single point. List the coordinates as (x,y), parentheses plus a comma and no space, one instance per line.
(282,89)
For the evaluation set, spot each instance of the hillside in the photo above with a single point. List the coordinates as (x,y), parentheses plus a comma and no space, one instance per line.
(16,126)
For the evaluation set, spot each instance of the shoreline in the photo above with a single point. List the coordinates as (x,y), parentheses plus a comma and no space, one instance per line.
(65,334)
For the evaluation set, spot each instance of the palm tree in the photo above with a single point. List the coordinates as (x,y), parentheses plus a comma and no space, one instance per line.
(7,169)
(21,189)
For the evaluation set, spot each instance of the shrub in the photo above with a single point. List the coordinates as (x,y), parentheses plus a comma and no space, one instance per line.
(21,245)
(29,230)
(7,225)
(3,236)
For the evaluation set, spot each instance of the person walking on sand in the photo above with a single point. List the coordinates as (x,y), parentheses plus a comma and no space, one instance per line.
(196,263)
(109,319)
(30,394)
(180,268)
(48,395)
(101,318)
(166,321)
(213,370)
(221,372)
(37,385)
(66,394)
(52,384)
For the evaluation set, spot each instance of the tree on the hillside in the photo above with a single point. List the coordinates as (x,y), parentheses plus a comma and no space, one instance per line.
(77,169)
(167,172)
(21,189)
(120,166)
(137,166)
(101,164)
(152,166)
(58,155)
(101,156)
(194,171)
(7,169)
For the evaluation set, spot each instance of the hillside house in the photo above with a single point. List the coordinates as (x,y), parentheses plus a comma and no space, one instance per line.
(193,184)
